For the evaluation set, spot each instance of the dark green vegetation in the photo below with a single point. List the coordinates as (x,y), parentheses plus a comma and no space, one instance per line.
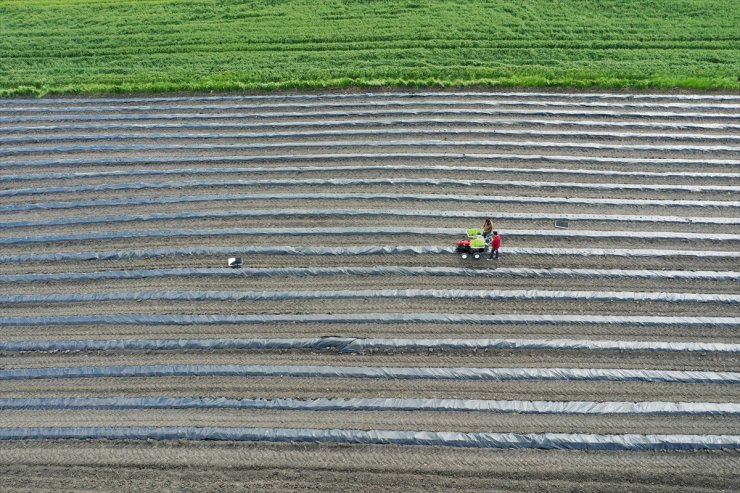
(57,46)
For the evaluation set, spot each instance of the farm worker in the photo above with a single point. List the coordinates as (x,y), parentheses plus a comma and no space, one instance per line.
(487,228)
(495,244)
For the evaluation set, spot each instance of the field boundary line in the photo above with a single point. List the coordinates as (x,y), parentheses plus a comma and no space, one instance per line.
(422,94)
(388,102)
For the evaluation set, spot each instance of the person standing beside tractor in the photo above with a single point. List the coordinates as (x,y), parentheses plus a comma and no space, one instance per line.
(487,229)
(495,245)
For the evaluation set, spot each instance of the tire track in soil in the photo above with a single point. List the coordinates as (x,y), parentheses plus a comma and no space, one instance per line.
(207,466)
(391,331)
(416,420)
(374,305)
(313,388)
(422,359)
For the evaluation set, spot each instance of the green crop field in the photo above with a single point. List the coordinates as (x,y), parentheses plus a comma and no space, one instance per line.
(60,46)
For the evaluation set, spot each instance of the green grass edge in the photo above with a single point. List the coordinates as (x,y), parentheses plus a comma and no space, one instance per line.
(529,81)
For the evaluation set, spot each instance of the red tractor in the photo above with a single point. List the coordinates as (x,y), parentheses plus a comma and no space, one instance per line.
(474,245)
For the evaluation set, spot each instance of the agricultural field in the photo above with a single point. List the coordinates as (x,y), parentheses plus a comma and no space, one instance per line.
(355,349)
(73,46)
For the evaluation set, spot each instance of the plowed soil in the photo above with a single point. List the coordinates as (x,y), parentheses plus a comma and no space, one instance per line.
(57,141)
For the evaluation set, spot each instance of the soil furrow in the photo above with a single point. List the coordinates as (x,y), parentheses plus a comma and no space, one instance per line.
(367,420)
(422,359)
(312,388)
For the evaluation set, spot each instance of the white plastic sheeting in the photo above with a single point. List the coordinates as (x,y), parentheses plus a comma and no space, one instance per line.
(396,197)
(366,231)
(333,123)
(355,345)
(372,132)
(563,441)
(117,161)
(373,318)
(281,272)
(355,168)
(481,294)
(359,250)
(10,151)
(426,213)
(325,113)
(425,373)
(284,182)
(377,404)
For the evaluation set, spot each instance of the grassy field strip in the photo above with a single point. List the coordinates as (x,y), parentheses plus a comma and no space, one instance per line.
(244,213)
(117,161)
(374,404)
(84,116)
(283,250)
(410,373)
(281,272)
(368,231)
(360,346)
(368,143)
(355,168)
(319,182)
(364,132)
(376,122)
(444,102)
(370,95)
(367,294)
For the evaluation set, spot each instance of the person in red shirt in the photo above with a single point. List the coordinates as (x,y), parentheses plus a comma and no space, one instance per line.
(495,245)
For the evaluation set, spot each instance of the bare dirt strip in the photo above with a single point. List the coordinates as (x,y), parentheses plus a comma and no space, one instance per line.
(305,388)
(627,332)
(547,154)
(375,305)
(203,466)
(456,359)
(391,420)
(329,283)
